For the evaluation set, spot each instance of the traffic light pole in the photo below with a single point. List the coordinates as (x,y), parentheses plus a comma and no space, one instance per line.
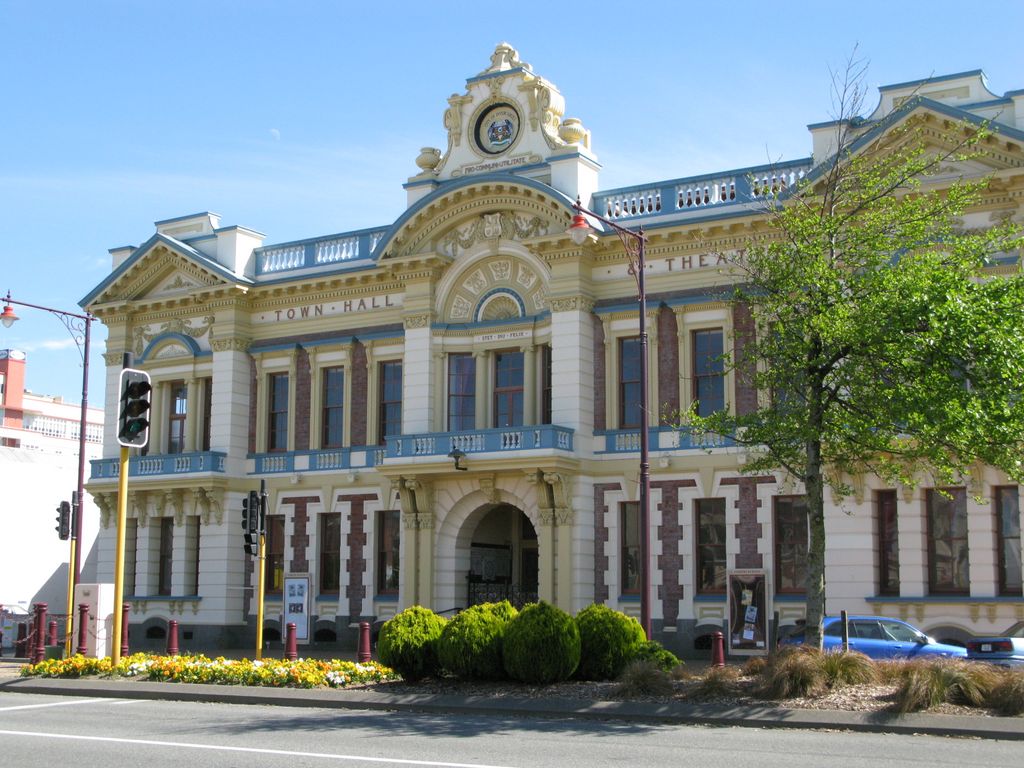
(261,514)
(68,623)
(122,517)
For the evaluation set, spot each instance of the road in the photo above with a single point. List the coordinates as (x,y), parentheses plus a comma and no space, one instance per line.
(38,731)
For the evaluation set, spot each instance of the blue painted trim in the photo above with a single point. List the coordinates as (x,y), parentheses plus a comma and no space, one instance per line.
(183,218)
(317,270)
(495,292)
(997,102)
(385,598)
(491,440)
(704,177)
(629,598)
(188,341)
(947,599)
(492,75)
(162,464)
(239,228)
(709,598)
(198,238)
(161,598)
(319,238)
(680,301)
(483,325)
(789,598)
(935,79)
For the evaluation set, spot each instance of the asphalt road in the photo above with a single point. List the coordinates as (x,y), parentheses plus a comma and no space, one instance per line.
(38,731)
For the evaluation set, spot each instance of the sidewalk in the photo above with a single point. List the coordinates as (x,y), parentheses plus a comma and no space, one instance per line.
(671,713)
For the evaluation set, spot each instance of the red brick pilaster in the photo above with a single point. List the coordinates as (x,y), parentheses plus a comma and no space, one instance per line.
(359,399)
(748,530)
(355,562)
(600,540)
(302,404)
(743,336)
(300,532)
(255,391)
(669,533)
(668,363)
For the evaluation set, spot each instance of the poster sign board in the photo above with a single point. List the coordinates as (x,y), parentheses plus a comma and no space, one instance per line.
(748,612)
(296,605)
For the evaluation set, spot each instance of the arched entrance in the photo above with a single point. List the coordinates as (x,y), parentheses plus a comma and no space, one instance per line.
(503,561)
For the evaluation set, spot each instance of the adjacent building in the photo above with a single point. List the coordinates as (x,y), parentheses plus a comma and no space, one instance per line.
(445,408)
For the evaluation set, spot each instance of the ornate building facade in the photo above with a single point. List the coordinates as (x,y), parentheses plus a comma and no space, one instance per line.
(445,409)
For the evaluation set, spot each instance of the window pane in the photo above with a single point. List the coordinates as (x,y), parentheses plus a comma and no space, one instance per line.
(1008,532)
(388,544)
(277,432)
(461,392)
(333,413)
(629,383)
(390,399)
(790,544)
(176,418)
(708,371)
(948,563)
(330,553)
(710,545)
(508,389)
(274,545)
(888,543)
(166,555)
(630,549)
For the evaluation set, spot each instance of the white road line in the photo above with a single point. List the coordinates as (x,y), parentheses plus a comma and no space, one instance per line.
(57,704)
(248,750)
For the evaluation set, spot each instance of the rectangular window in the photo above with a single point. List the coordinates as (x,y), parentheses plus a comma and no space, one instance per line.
(710,546)
(708,371)
(176,418)
(277,412)
(888,543)
(131,552)
(545,384)
(207,388)
(948,562)
(1008,539)
(390,415)
(274,546)
(508,389)
(629,549)
(333,410)
(192,531)
(330,553)
(790,545)
(629,383)
(461,392)
(388,540)
(166,556)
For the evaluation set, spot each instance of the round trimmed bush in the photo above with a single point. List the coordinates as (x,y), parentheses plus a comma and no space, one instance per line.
(652,650)
(470,644)
(408,643)
(609,639)
(542,645)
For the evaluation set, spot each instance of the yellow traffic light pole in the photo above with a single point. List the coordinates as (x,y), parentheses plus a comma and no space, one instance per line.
(260,585)
(68,625)
(122,516)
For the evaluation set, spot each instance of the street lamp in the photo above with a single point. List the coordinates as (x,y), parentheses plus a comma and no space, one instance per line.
(79,326)
(634,243)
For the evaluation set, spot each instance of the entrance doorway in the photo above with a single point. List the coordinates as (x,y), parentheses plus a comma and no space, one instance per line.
(503,559)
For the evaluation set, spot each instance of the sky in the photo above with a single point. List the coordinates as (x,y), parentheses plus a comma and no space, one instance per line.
(300,119)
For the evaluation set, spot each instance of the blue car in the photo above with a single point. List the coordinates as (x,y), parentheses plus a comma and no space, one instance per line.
(1006,651)
(879,637)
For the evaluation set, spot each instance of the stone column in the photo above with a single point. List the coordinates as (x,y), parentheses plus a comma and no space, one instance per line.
(158,418)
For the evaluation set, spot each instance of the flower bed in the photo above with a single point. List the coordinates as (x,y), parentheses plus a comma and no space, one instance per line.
(274,673)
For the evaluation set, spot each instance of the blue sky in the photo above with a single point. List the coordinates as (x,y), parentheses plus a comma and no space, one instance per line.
(300,119)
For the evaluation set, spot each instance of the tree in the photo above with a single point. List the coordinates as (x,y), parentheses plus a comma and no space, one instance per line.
(881,343)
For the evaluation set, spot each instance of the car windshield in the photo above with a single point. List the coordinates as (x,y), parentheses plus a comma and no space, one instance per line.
(901,632)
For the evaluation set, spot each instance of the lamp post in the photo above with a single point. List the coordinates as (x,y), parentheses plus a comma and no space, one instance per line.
(634,243)
(80,327)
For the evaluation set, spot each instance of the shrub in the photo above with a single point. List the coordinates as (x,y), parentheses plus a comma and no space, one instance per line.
(717,681)
(847,668)
(653,651)
(608,640)
(542,645)
(408,643)
(754,666)
(470,644)
(1007,694)
(642,677)
(930,683)
(793,671)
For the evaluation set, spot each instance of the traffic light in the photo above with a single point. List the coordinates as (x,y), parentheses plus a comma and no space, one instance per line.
(251,521)
(63,527)
(133,422)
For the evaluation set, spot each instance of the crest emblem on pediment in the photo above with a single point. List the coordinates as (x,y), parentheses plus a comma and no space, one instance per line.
(491,226)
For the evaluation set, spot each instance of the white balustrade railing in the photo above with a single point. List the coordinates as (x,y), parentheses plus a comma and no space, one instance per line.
(338,249)
(279,259)
(635,203)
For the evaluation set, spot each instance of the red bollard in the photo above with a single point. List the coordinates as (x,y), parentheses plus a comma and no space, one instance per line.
(125,609)
(291,647)
(40,636)
(172,638)
(51,637)
(364,642)
(83,629)
(717,649)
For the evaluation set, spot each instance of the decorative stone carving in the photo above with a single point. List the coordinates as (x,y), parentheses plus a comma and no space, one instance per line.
(571,131)
(230,344)
(105,502)
(416,321)
(428,159)
(113,358)
(141,335)
(491,226)
(570,303)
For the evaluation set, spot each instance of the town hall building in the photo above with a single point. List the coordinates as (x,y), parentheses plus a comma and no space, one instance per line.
(445,409)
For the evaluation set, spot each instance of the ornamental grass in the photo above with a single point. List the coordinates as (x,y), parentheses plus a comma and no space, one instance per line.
(273,673)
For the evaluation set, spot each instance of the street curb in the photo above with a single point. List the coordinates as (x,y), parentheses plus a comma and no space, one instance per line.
(660,713)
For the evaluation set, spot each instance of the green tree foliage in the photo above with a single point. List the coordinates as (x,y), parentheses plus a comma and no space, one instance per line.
(408,643)
(542,645)
(608,640)
(883,341)
(470,645)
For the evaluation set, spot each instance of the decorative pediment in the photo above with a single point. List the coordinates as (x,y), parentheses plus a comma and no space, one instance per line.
(496,288)
(160,272)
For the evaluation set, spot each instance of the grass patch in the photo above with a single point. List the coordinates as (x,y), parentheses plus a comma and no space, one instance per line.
(643,678)
(793,671)
(927,684)
(717,682)
(847,668)
(1007,694)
